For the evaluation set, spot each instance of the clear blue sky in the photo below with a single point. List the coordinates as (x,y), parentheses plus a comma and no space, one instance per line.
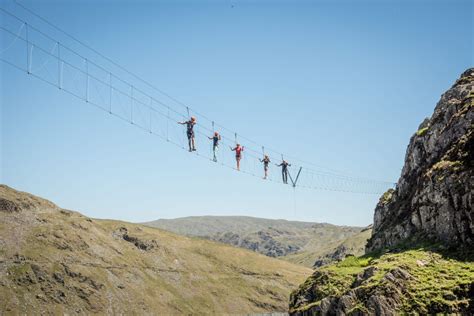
(343,84)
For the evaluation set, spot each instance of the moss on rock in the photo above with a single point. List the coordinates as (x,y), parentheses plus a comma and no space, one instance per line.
(421,280)
(422,131)
(386,197)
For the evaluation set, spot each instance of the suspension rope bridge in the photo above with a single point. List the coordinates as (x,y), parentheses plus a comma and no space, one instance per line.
(34,51)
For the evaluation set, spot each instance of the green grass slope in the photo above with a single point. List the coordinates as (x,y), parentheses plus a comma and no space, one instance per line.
(424,279)
(61,262)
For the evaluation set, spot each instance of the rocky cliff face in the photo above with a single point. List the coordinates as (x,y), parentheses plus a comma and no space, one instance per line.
(433,201)
(434,196)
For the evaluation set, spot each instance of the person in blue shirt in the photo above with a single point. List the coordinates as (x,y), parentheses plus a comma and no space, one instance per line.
(284,170)
(215,145)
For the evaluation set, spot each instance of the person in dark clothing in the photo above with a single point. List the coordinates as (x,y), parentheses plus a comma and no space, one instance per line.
(284,170)
(190,132)
(238,154)
(266,162)
(215,145)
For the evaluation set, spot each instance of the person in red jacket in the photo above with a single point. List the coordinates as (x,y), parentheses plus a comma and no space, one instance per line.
(238,154)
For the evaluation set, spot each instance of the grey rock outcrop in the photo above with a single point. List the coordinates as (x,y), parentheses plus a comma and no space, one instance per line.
(434,195)
(377,302)
(263,241)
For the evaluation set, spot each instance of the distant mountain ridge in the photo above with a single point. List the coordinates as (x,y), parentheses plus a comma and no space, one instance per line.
(208,225)
(295,241)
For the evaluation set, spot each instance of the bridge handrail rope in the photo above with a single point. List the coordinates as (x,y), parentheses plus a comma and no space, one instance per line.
(333,171)
(249,151)
(17,34)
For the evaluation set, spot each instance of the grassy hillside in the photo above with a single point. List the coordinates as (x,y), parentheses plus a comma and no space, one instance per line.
(423,279)
(299,242)
(58,261)
(333,251)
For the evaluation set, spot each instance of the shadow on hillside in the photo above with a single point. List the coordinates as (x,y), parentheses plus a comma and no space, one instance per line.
(454,252)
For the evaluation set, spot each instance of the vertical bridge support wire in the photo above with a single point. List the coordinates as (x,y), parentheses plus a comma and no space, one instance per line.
(87,80)
(60,68)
